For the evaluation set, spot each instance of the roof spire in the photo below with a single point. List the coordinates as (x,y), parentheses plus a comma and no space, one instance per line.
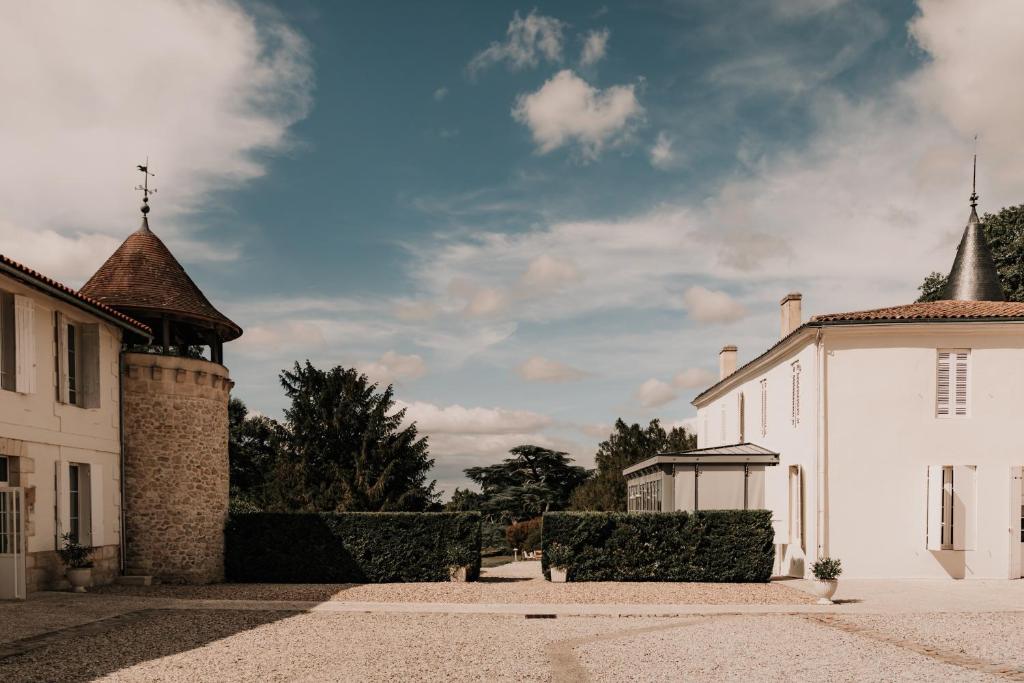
(144,188)
(974,276)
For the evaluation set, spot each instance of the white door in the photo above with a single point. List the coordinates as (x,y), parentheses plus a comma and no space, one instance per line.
(12,544)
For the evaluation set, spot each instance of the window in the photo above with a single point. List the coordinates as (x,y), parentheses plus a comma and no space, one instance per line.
(79,503)
(795,398)
(743,418)
(8,343)
(952,384)
(75,508)
(77,362)
(645,496)
(5,473)
(951,507)
(719,487)
(764,407)
(722,435)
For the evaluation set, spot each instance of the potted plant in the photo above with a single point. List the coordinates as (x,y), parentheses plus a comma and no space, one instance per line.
(78,560)
(558,556)
(460,559)
(826,573)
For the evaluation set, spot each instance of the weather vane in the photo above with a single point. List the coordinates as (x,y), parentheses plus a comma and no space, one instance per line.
(974,175)
(144,187)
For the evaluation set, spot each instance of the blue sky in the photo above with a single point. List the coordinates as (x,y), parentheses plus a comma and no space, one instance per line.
(533,219)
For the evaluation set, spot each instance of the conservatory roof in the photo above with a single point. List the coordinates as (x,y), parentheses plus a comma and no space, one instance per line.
(732,454)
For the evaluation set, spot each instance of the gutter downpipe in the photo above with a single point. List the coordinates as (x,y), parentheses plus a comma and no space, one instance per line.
(821,480)
(120,429)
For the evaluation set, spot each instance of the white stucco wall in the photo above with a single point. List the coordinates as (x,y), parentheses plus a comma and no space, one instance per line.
(883,434)
(51,435)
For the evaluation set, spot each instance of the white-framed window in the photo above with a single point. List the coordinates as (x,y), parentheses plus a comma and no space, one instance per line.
(952,507)
(795,397)
(764,407)
(742,418)
(77,361)
(952,383)
(80,503)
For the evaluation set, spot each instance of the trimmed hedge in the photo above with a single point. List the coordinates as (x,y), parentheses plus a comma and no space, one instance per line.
(348,547)
(712,545)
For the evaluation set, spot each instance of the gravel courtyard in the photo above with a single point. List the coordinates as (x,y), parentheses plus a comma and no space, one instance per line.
(161,634)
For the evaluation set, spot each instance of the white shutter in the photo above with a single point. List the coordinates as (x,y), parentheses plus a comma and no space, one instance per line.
(960,386)
(61,337)
(96,500)
(25,344)
(942,390)
(934,510)
(964,507)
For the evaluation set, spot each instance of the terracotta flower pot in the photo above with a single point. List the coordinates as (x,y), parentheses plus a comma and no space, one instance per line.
(559,574)
(79,578)
(825,589)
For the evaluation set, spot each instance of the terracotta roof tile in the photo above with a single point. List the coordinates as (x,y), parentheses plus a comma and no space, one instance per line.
(87,302)
(143,276)
(934,310)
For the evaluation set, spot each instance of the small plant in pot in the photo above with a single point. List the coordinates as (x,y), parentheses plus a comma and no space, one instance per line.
(826,573)
(559,556)
(78,560)
(460,559)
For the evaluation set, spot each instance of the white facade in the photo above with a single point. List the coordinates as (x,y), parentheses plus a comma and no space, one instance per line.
(866,422)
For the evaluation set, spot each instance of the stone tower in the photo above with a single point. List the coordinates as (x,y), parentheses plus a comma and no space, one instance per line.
(175,413)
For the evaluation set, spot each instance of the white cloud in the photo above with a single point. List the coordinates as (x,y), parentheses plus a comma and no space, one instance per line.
(567,109)
(486,301)
(281,337)
(203,88)
(540,369)
(414,310)
(440,94)
(710,306)
(595,45)
(547,273)
(662,154)
(528,40)
(694,378)
(654,393)
(392,367)
(456,419)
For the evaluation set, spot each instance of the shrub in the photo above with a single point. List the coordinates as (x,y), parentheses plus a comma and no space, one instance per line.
(349,547)
(73,554)
(558,555)
(827,569)
(525,535)
(713,545)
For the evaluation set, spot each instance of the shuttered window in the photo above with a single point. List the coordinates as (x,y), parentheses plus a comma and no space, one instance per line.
(8,343)
(795,396)
(952,385)
(78,362)
(764,407)
(952,507)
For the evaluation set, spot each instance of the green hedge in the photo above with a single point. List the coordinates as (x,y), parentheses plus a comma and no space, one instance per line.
(713,545)
(348,547)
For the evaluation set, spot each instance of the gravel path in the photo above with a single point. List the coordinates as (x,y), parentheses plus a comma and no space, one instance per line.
(231,645)
(518,582)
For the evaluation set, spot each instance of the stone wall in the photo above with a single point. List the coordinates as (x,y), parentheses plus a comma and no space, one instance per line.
(45,571)
(176,467)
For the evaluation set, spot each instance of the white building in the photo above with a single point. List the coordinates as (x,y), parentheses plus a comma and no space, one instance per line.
(895,433)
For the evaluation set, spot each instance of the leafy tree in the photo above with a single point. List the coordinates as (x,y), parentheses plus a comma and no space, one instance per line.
(463,500)
(1005,233)
(255,443)
(625,446)
(526,485)
(346,447)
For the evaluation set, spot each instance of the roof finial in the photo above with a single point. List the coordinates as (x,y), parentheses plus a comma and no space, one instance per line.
(145,187)
(974,176)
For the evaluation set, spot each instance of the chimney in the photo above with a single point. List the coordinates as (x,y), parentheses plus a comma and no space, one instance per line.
(726,361)
(790,312)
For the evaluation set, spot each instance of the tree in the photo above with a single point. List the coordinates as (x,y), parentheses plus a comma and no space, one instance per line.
(347,449)
(255,443)
(625,446)
(531,482)
(1005,234)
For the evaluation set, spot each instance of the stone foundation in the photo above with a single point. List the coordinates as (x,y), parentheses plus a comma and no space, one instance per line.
(45,572)
(176,467)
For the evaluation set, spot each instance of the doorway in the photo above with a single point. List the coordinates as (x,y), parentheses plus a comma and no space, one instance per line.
(12,544)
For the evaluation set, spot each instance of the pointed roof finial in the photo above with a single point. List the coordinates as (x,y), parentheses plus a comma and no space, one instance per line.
(974,176)
(144,188)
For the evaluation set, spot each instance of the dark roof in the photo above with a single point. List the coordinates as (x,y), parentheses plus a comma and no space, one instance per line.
(931,311)
(731,454)
(974,276)
(143,277)
(83,301)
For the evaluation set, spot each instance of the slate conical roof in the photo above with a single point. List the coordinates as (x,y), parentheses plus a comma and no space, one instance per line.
(974,276)
(142,278)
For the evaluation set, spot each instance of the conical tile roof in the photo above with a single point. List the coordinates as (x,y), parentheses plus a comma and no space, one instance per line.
(143,277)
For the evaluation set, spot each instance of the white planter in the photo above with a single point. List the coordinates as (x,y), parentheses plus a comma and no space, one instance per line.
(459,574)
(825,590)
(79,578)
(558,574)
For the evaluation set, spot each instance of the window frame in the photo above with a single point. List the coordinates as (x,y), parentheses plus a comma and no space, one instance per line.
(954,377)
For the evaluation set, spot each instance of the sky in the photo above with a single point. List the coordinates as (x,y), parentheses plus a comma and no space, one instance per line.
(532,219)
